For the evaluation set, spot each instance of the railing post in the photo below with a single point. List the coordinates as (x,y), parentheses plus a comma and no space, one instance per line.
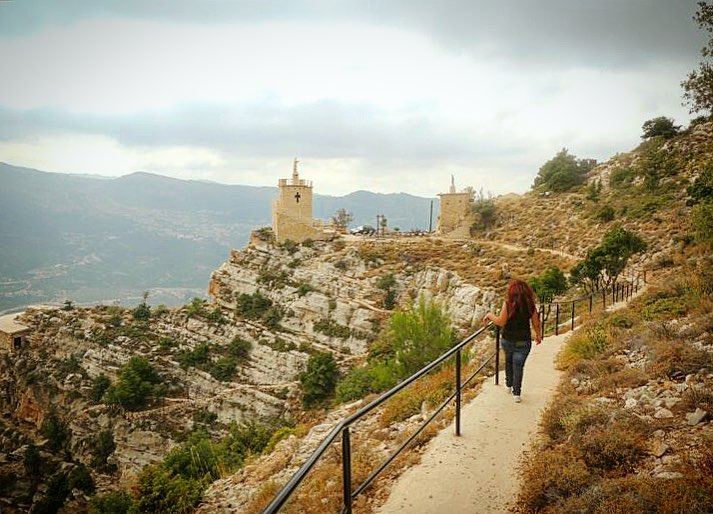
(346,471)
(497,355)
(644,276)
(557,320)
(458,392)
(572,327)
(604,298)
(591,301)
(613,293)
(542,320)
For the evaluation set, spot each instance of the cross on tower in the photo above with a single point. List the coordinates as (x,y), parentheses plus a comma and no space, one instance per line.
(298,196)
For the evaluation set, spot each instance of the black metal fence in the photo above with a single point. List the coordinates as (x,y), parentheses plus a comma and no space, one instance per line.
(619,291)
(566,312)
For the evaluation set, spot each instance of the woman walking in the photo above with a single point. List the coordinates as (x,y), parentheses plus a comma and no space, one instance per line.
(515,317)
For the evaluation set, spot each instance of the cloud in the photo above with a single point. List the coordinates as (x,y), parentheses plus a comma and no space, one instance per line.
(556,33)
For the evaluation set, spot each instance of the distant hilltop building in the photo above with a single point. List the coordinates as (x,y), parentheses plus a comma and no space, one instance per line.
(456,212)
(292,211)
(13,335)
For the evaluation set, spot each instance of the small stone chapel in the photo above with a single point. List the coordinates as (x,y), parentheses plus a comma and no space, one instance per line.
(456,212)
(292,211)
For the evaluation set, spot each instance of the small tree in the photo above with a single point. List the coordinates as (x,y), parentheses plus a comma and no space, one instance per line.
(549,284)
(698,87)
(342,218)
(142,311)
(594,189)
(32,461)
(485,210)
(319,379)
(103,447)
(137,381)
(100,385)
(661,126)
(563,172)
(419,335)
(56,431)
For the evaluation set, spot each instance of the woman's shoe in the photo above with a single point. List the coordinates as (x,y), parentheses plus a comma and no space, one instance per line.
(517,399)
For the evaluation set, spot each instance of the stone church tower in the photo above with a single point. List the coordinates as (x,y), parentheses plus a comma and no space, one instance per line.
(456,212)
(292,211)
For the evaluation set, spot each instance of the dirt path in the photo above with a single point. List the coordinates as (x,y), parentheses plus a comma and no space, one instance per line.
(477,471)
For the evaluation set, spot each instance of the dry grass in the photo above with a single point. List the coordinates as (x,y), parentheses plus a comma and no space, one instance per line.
(675,358)
(552,476)
(479,263)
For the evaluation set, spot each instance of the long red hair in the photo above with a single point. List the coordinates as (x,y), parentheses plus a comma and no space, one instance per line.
(520,296)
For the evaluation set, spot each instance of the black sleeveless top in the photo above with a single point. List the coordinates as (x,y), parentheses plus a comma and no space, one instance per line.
(517,327)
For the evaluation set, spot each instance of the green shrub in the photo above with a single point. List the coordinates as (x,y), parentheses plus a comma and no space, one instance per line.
(319,379)
(272,317)
(659,127)
(273,277)
(141,312)
(100,384)
(167,343)
(386,282)
(56,431)
(586,344)
(654,164)
(196,357)
(32,462)
(54,496)
(563,172)
(664,308)
(137,381)
(281,345)
(341,265)
(702,188)
(102,449)
(216,316)
(289,246)
(239,348)
(549,284)
(620,320)
(223,369)
(204,416)
(115,502)
(197,307)
(254,305)
(332,328)
(304,288)
(390,299)
(702,220)
(158,491)
(606,214)
(80,478)
(623,177)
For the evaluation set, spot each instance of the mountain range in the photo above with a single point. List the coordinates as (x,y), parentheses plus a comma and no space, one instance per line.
(92,239)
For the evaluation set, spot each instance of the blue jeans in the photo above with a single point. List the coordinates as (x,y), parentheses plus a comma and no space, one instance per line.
(515,356)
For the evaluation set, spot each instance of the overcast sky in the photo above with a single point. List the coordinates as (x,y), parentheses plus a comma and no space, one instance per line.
(388,96)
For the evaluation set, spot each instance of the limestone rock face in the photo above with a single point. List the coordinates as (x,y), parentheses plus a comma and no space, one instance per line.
(465,303)
(320,297)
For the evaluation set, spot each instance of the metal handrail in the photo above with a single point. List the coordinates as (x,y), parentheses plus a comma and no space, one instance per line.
(343,426)
(626,290)
(619,291)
